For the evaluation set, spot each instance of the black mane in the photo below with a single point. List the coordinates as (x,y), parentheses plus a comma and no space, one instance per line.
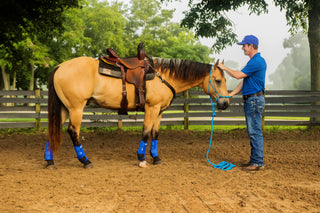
(182,69)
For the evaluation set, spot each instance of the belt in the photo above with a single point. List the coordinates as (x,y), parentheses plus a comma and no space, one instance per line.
(245,97)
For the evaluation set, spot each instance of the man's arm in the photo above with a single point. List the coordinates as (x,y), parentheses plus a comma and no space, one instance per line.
(237,89)
(232,73)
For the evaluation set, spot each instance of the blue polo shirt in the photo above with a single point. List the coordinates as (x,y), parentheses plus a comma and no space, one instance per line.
(256,75)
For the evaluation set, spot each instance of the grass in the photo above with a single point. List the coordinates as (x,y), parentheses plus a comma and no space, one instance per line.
(200,128)
(288,118)
(17,120)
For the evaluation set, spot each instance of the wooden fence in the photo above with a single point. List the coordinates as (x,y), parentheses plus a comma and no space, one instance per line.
(28,109)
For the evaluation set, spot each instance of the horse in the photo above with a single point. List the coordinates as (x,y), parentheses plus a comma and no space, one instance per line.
(76,82)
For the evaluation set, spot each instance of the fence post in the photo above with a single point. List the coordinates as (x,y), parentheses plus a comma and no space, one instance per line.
(186,109)
(313,120)
(120,124)
(38,109)
(264,110)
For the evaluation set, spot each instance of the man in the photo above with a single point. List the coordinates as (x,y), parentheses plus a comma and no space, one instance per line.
(252,88)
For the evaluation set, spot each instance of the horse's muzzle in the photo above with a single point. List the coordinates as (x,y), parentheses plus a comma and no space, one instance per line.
(223,103)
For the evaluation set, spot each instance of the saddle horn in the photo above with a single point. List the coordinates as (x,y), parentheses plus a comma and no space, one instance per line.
(141,51)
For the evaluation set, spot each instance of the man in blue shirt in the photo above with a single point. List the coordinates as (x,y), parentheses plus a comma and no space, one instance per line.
(252,88)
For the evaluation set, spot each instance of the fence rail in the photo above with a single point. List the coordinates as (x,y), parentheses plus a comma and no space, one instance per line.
(28,109)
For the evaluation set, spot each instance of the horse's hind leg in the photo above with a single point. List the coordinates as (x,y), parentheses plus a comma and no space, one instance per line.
(74,132)
(48,155)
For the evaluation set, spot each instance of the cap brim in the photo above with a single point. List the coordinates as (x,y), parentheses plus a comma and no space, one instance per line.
(240,43)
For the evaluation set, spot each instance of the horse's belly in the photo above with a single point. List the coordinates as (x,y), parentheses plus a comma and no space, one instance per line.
(108,93)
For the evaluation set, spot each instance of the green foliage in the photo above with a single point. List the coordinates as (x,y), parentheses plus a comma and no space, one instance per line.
(23,24)
(208,17)
(41,42)
(296,13)
(35,16)
(105,26)
(162,37)
(294,71)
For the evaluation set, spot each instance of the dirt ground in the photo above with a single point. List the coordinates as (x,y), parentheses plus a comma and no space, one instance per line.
(185,182)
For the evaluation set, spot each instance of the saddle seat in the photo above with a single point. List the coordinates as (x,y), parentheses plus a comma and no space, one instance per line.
(133,70)
(129,62)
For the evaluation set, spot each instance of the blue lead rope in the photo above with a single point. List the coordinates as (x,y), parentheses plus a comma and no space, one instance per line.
(222,165)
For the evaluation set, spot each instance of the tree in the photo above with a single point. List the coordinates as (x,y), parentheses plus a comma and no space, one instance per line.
(162,37)
(208,18)
(23,23)
(89,30)
(294,71)
(105,26)
(21,17)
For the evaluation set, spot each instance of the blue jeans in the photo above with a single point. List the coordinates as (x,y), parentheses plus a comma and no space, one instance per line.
(253,109)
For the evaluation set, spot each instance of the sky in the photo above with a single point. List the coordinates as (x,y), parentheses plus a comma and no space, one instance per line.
(270,28)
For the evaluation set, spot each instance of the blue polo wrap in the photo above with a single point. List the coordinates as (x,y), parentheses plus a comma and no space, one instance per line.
(48,153)
(142,150)
(80,154)
(154,148)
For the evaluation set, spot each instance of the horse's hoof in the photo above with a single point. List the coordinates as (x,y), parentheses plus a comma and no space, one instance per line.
(51,167)
(143,164)
(88,165)
(157,161)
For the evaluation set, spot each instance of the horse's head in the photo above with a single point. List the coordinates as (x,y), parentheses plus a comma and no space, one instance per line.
(217,87)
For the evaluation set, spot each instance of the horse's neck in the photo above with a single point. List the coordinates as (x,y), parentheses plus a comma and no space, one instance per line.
(182,85)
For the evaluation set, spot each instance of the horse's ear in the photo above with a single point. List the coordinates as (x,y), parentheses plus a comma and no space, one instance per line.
(222,62)
(216,64)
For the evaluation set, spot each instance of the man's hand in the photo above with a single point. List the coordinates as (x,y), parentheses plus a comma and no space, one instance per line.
(221,66)
(232,73)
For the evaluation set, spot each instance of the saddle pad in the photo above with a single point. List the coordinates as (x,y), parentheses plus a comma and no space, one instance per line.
(114,71)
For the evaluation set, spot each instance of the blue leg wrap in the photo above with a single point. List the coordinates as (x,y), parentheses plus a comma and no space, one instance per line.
(154,148)
(48,153)
(142,150)
(80,154)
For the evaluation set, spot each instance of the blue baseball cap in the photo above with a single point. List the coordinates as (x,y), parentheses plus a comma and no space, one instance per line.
(249,39)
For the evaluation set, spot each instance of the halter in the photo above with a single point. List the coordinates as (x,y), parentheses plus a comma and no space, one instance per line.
(222,165)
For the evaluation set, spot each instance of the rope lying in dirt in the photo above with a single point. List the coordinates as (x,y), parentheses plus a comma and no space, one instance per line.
(222,165)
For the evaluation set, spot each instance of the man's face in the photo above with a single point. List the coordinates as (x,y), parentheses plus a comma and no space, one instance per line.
(247,48)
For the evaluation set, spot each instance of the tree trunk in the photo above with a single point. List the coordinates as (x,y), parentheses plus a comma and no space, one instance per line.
(6,82)
(6,78)
(314,43)
(14,81)
(31,83)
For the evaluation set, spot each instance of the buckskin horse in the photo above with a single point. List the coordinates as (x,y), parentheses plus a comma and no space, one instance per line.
(75,82)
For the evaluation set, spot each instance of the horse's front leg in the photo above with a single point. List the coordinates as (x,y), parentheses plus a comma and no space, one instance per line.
(151,114)
(154,141)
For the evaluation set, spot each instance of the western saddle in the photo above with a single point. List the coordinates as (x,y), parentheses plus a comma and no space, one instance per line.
(133,70)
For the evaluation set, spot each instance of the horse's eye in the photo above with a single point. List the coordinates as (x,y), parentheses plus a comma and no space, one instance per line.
(218,81)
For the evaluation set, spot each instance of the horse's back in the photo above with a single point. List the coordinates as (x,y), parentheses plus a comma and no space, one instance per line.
(81,65)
